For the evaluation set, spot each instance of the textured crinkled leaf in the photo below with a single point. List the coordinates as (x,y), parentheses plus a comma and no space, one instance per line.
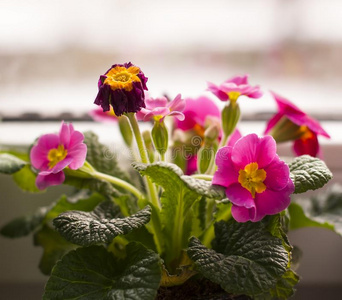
(245,259)
(180,194)
(23,226)
(199,186)
(99,226)
(309,173)
(284,288)
(101,157)
(54,245)
(323,210)
(9,164)
(93,273)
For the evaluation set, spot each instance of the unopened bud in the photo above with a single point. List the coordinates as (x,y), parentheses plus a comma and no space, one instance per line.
(285,130)
(212,133)
(160,137)
(230,117)
(205,158)
(126,131)
(148,144)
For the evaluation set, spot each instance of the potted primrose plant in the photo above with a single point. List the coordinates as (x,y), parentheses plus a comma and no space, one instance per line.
(202,214)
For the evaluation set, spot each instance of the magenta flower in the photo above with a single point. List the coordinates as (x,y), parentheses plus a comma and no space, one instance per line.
(197,112)
(257,182)
(54,152)
(99,115)
(233,88)
(305,131)
(122,87)
(158,108)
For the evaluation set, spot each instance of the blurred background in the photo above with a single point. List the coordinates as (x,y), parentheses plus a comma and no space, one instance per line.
(52,53)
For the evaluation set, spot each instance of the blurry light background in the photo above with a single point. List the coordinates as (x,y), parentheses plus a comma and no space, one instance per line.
(52,53)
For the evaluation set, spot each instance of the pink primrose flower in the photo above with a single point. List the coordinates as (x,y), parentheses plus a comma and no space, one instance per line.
(233,88)
(308,130)
(257,182)
(158,108)
(54,152)
(99,115)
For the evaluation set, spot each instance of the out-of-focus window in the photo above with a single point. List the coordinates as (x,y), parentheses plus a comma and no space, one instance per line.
(52,52)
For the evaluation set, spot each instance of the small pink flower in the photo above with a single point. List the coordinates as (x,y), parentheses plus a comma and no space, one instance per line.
(257,182)
(233,88)
(196,112)
(54,152)
(308,128)
(99,115)
(158,108)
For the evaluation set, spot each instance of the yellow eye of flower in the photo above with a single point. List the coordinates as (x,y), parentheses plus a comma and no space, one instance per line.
(252,178)
(122,78)
(233,96)
(306,133)
(56,155)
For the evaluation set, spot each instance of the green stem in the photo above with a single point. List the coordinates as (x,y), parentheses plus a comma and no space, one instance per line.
(118,182)
(144,157)
(203,177)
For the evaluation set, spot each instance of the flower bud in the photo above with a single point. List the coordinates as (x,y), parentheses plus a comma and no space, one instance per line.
(230,117)
(126,131)
(212,133)
(148,144)
(206,156)
(160,137)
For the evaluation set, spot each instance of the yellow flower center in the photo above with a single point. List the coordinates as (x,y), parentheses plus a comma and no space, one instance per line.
(56,155)
(252,178)
(233,96)
(306,133)
(122,78)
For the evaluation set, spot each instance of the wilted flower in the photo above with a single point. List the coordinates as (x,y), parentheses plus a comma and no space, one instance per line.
(233,88)
(257,182)
(291,123)
(122,87)
(54,152)
(158,108)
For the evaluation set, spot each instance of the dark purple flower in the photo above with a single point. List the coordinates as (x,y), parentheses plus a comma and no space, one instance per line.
(122,87)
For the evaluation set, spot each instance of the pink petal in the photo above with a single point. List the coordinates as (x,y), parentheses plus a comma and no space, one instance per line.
(242,214)
(65,133)
(78,155)
(273,202)
(62,164)
(104,117)
(217,91)
(39,152)
(238,80)
(43,181)
(272,122)
(277,174)
(240,196)
(307,146)
(226,173)
(251,149)
(152,103)
(234,138)
(159,111)
(75,139)
(177,104)
(179,115)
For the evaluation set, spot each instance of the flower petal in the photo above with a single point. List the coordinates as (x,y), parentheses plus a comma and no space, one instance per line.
(177,104)
(226,173)
(65,133)
(242,214)
(78,155)
(277,174)
(217,91)
(240,196)
(251,149)
(39,152)
(308,146)
(43,181)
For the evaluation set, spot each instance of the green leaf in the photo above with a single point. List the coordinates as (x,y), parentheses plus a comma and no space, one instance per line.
(284,288)
(99,226)
(23,226)
(9,164)
(245,259)
(309,173)
(101,157)
(180,194)
(54,245)
(26,180)
(93,273)
(324,210)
